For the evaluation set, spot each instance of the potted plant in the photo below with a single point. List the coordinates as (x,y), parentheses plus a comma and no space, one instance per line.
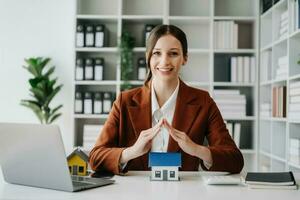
(126,53)
(43,89)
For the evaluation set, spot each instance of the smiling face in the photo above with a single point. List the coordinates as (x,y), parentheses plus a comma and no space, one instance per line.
(167,58)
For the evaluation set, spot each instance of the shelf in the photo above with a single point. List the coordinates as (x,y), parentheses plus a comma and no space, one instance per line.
(294,165)
(142,17)
(189,18)
(267,47)
(194,50)
(266,154)
(266,83)
(248,151)
(293,121)
(99,17)
(139,49)
(235,51)
(264,118)
(90,116)
(278,158)
(267,14)
(95,49)
(279,119)
(236,18)
(134,82)
(280,4)
(195,83)
(279,41)
(234,84)
(295,34)
(278,81)
(95,82)
(297,76)
(246,118)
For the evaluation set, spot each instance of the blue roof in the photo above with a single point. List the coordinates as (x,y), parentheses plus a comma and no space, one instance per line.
(164,159)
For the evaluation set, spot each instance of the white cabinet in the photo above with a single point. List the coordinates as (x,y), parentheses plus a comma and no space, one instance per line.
(208,67)
(279,115)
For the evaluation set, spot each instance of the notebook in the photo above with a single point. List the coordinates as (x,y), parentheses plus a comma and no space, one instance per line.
(276,180)
(34,155)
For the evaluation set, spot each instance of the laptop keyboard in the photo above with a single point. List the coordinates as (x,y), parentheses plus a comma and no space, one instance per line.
(85,181)
(81,184)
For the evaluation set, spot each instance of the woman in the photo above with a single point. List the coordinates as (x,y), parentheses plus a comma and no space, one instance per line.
(165,115)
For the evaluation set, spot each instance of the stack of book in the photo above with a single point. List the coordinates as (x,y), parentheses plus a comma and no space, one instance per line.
(90,135)
(271,180)
(294,106)
(284,23)
(295,15)
(242,69)
(234,130)
(279,101)
(295,150)
(282,70)
(230,103)
(266,63)
(225,35)
(265,109)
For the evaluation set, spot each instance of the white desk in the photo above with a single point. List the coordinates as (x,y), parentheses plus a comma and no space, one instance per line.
(136,185)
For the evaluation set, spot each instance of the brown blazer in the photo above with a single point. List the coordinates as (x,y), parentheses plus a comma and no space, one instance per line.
(196,114)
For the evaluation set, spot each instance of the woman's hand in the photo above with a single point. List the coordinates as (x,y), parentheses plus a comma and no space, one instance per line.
(183,140)
(187,145)
(142,145)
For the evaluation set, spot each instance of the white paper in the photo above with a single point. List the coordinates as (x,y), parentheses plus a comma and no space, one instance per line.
(88,73)
(79,40)
(99,40)
(98,72)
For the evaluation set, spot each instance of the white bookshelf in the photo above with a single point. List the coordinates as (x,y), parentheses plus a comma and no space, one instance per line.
(275,132)
(196,18)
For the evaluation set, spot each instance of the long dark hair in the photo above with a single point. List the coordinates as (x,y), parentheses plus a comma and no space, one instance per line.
(157,33)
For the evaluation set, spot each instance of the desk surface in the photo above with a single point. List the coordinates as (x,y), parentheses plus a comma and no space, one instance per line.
(136,185)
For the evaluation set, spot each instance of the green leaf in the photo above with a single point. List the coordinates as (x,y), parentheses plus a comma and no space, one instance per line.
(56,109)
(49,72)
(54,92)
(42,89)
(54,117)
(38,94)
(34,81)
(42,63)
(36,109)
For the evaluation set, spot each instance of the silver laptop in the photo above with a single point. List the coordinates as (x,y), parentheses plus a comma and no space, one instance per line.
(34,155)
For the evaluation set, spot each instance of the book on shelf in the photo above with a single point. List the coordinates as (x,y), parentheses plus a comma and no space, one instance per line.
(242,69)
(230,103)
(266,63)
(275,180)
(279,101)
(294,150)
(265,109)
(225,35)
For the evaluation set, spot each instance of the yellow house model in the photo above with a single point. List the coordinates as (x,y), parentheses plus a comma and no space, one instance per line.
(78,162)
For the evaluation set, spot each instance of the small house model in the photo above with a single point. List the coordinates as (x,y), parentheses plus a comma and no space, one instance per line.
(78,162)
(164,166)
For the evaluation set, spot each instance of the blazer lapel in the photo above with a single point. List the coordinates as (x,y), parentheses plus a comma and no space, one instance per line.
(140,115)
(185,113)
(140,112)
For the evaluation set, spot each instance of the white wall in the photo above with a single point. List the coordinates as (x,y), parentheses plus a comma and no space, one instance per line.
(31,28)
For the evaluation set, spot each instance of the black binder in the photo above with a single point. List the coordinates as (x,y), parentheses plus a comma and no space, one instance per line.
(271,178)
